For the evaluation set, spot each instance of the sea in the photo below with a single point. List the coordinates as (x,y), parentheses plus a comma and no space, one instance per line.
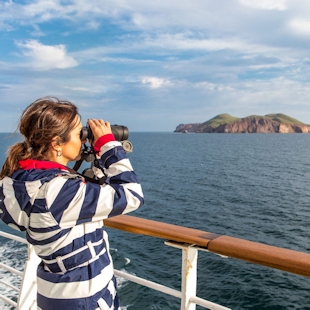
(250,186)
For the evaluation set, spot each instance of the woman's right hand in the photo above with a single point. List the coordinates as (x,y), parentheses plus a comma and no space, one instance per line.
(99,128)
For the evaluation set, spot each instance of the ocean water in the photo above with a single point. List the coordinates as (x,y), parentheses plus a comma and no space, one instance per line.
(250,186)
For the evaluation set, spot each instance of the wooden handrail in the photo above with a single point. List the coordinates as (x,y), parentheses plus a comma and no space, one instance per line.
(253,252)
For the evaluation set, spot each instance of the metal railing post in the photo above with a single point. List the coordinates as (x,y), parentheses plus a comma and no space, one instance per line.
(189,300)
(189,276)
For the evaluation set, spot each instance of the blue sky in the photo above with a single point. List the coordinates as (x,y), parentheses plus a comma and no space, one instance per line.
(151,65)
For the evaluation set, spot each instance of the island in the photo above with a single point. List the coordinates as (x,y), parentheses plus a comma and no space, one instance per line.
(225,123)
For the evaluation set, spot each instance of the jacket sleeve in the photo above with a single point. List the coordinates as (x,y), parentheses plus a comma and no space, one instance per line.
(73,201)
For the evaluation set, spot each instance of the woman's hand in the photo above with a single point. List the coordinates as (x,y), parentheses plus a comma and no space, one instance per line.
(99,128)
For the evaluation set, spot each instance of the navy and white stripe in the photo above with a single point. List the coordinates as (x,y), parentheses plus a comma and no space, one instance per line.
(63,216)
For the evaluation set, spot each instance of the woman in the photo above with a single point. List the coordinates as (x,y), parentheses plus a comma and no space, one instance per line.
(61,212)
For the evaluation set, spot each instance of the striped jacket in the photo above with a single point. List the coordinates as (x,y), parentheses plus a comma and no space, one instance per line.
(63,218)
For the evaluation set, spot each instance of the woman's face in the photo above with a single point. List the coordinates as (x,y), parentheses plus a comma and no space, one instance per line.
(71,150)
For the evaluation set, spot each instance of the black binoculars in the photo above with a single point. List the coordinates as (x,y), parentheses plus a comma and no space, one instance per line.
(120,133)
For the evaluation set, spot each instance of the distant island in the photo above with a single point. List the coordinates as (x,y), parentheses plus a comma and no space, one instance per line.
(225,123)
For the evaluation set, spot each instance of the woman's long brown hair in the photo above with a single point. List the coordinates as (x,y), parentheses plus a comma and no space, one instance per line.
(41,121)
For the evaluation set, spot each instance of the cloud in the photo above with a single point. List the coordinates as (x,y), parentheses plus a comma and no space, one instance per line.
(155,82)
(197,42)
(45,57)
(203,59)
(279,5)
(37,31)
(137,14)
(146,48)
(300,26)
(93,25)
(41,11)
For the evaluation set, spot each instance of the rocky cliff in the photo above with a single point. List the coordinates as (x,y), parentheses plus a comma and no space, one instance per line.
(250,124)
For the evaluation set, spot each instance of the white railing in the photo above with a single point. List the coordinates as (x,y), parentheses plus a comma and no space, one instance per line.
(27,293)
(189,241)
(188,297)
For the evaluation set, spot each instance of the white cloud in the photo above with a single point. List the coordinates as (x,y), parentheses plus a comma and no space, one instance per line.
(300,26)
(45,57)
(80,89)
(171,51)
(93,25)
(279,5)
(155,82)
(47,10)
(138,13)
(192,41)
(168,44)
(37,31)
(44,10)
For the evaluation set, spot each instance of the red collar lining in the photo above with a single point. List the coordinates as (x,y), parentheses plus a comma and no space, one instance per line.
(40,164)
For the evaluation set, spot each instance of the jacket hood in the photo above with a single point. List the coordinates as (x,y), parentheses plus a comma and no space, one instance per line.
(18,192)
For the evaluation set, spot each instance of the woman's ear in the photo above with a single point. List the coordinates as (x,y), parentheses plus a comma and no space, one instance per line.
(55,143)
(55,151)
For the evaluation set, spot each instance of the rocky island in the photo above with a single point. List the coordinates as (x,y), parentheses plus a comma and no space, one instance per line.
(225,123)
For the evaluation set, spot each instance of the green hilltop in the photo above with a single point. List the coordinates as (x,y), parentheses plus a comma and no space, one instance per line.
(284,119)
(223,119)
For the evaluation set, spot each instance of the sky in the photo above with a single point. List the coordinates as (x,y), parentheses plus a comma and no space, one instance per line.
(152,65)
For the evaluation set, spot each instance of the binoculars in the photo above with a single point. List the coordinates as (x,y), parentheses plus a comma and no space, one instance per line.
(120,133)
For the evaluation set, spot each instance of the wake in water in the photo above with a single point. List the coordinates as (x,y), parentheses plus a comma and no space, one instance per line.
(14,255)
